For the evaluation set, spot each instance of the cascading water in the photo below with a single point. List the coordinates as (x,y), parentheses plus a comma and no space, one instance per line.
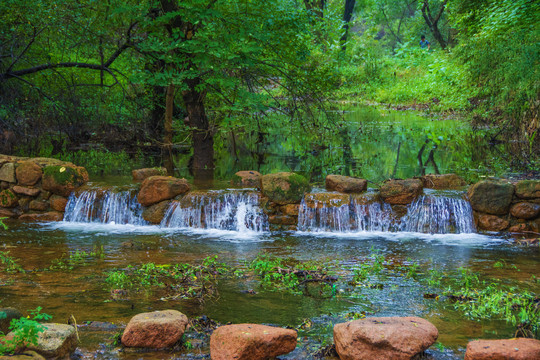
(428,214)
(220,210)
(104,207)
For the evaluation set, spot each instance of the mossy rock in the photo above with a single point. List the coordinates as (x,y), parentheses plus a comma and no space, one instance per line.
(63,179)
(528,189)
(8,199)
(284,187)
(491,196)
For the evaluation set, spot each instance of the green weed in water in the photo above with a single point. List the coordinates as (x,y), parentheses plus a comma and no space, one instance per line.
(9,263)
(25,330)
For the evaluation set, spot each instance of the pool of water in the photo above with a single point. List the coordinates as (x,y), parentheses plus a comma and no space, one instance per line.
(81,292)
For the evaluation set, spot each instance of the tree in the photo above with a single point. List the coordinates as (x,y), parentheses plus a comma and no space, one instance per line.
(433,21)
(347,15)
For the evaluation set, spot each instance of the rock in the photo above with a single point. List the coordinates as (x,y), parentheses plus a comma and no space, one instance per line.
(57,341)
(10,314)
(251,342)
(247,179)
(492,222)
(48,216)
(4,185)
(528,189)
(58,203)
(401,192)
(45,195)
(393,338)
(506,349)
(7,173)
(63,179)
(491,196)
(25,355)
(282,220)
(8,199)
(284,187)
(525,210)
(290,209)
(320,200)
(38,205)
(142,174)
(443,181)
(518,228)
(28,173)
(26,191)
(155,213)
(158,188)
(156,330)
(345,184)
(7,213)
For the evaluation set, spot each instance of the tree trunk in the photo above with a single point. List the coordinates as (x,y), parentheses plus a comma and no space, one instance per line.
(168,131)
(432,22)
(202,134)
(347,15)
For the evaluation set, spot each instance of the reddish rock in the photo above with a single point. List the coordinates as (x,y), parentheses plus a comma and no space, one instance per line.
(528,189)
(142,174)
(38,205)
(290,209)
(345,184)
(284,187)
(247,179)
(518,228)
(401,192)
(155,213)
(48,216)
(525,210)
(63,179)
(506,349)
(158,188)
(26,191)
(492,222)
(282,220)
(8,199)
(251,342)
(28,173)
(155,330)
(7,213)
(396,338)
(443,181)
(491,196)
(58,203)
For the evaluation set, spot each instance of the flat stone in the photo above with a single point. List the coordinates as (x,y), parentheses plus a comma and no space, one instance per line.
(396,338)
(7,173)
(345,184)
(251,342)
(48,216)
(505,349)
(7,213)
(282,220)
(155,330)
(326,200)
(26,190)
(443,181)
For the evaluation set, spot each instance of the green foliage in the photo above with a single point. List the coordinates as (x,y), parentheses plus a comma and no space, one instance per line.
(99,162)
(2,224)
(25,330)
(9,263)
(77,258)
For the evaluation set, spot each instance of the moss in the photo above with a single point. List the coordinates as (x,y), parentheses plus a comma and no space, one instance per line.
(63,175)
(236,180)
(7,198)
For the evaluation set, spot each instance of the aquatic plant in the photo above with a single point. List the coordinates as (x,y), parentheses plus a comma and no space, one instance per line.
(2,223)
(9,263)
(77,258)
(25,331)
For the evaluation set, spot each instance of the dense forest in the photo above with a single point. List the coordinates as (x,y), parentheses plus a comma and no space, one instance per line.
(114,84)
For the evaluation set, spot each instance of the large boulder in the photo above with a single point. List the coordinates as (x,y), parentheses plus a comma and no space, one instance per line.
(63,179)
(6,315)
(525,210)
(57,341)
(158,188)
(491,196)
(528,189)
(155,213)
(284,187)
(7,173)
(492,222)
(155,330)
(8,199)
(443,181)
(401,192)
(345,184)
(251,342)
(28,173)
(506,349)
(142,174)
(396,338)
(247,178)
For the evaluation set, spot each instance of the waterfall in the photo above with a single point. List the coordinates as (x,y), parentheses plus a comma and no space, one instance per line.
(221,210)
(104,207)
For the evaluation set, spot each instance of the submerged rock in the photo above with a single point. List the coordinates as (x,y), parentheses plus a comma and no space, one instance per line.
(48,216)
(247,179)
(528,189)
(155,213)
(345,184)
(142,174)
(525,210)
(155,330)
(284,187)
(506,349)
(57,341)
(393,338)
(63,179)
(158,188)
(326,200)
(28,173)
(401,192)
(443,181)
(251,342)
(491,196)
